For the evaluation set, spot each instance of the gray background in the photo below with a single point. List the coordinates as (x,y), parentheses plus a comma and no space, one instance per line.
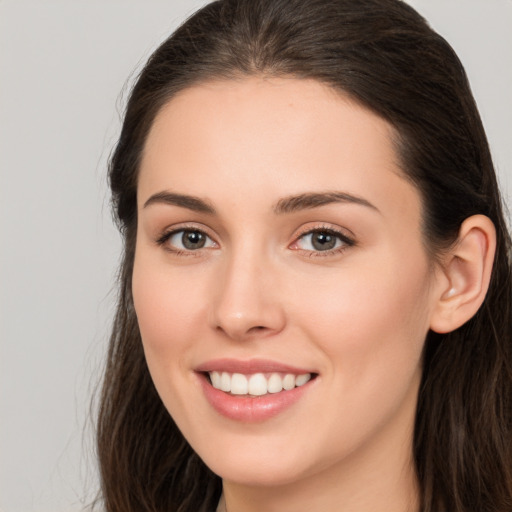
(63,66)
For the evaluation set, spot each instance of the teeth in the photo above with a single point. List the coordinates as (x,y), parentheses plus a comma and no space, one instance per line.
(216,379)
(225,382)
(239,384)
(256,384)
(289,382)
(300,380)
(275,383)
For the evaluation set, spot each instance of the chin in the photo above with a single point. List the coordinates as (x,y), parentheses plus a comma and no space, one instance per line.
(259,474)
(259,462)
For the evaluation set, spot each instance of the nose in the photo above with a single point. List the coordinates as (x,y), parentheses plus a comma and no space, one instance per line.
(246,301)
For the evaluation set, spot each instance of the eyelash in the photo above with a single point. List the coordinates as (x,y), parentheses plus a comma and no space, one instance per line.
(167,235)
(346,242)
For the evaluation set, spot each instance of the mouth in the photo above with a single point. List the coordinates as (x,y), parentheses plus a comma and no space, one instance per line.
(253,391)
(256,384)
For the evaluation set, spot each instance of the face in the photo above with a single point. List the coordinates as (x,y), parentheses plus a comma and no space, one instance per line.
(281,285)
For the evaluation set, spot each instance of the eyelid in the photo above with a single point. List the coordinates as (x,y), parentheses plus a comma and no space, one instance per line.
(344,235)
(164,236)
(325,226)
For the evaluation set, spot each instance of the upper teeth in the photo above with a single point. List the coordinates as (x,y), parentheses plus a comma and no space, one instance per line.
(256,384)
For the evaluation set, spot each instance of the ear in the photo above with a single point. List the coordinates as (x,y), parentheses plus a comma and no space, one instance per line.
(466,269)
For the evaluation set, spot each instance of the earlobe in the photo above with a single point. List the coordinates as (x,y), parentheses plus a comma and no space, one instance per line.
(466,269)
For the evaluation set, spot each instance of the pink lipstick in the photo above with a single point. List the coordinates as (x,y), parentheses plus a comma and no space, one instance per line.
(254,390)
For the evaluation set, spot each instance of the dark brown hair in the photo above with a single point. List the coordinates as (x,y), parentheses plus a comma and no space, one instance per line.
(383,55)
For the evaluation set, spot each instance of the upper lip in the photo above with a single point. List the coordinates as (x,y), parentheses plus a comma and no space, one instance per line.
(250,366)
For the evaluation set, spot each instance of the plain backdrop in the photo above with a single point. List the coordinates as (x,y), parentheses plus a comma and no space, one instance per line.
(65,69)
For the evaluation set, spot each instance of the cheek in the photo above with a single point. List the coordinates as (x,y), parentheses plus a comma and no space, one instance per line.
(370,326)
(370,321)
(168,307)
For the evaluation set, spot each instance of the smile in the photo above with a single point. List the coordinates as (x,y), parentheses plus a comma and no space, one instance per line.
(256,384)
(255,390)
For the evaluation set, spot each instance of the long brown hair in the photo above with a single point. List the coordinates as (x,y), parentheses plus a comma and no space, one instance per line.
(384,55)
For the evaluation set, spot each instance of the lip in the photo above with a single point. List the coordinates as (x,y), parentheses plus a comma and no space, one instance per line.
(251,409)
(250,366)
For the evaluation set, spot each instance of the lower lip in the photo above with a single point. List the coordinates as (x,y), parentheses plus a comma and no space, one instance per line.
(251,409)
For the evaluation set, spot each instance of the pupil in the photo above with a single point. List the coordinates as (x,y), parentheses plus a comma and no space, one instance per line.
(323,241)
(193,240)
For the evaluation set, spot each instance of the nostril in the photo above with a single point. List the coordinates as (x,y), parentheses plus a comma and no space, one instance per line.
(257,328)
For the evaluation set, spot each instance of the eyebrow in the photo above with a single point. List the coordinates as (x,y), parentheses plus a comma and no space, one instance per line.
(285,205)
(193,203)
(315,199)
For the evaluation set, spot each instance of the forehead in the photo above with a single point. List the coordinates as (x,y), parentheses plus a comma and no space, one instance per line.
(280,135)
(271,113)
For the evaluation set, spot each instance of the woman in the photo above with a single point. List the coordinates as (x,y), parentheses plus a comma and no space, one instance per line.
(314,310)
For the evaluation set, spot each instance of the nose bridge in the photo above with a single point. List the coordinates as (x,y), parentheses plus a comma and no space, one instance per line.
(246,302)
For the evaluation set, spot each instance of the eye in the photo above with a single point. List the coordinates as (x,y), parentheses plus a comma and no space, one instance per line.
(186,240)
(323,240)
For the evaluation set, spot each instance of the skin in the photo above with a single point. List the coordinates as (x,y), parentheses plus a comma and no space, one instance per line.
(358,316)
